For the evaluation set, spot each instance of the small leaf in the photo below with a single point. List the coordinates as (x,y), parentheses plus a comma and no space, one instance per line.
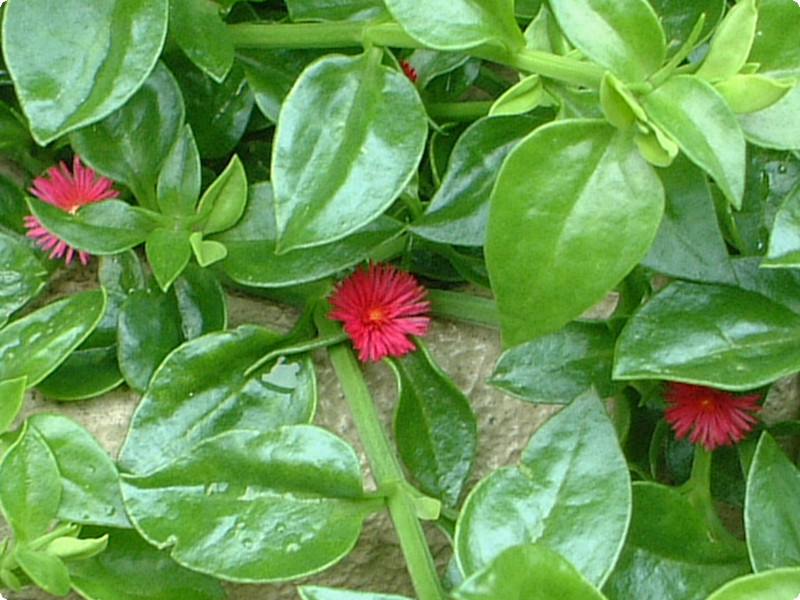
(776,125)
(45,570)
(571,493)
(119,44)
(711,335)
(774,47)
(198,30)
(87,373)
(751,93)
(522,97)
(779,583)
(223,202)
(12,393)
(206,252)
(772,526)
(168,252)
(21,274)
(435,429)
(784,239)
(179,178)
(202,303)
(325,160)
(290,508)
(731,43)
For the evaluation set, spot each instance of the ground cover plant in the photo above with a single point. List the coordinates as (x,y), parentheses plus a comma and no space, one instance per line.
(363,160)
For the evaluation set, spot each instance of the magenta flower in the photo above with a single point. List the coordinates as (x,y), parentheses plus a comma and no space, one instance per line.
(714,417)
(379,307)
(68,191)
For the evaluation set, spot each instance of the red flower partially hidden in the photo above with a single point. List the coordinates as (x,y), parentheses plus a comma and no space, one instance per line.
(410,71)
(379,307)
(714,417)
(68,191)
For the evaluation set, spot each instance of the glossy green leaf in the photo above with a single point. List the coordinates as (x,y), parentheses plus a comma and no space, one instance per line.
(780,285)
(696,116)
(13,129)
(117,573)
(623,36)
(30,487)
(168,252)
(252,242)
(178,185)
(13,207)
(774,47)
(458,24)
(434,428)
(308,592)
(753,92)
(528,572)
(202,303)
(223,202)
(118,46)
(22,276)
(348,141)
(12,393)
(784,239)
(131,144)
(105,227)
(459,209)
(335,10)
(571,493)
(689,244)
(731,43)
(199,31)
(711,335)
(780,583)
(37,343)
(213,384)
(89,480)
(776,125)
(557,367)
(669,552)
(772,525)
(45,570)
(87,373)
(206,252)
(217,112)
(149,328)
(574,209)
(290,507)
(678,18)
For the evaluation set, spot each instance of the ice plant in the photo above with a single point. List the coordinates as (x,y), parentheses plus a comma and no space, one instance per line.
(380,307)
(714,417)
(68,191)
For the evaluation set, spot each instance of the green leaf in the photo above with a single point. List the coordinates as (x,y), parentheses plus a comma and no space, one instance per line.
(206,252)
(21,274)
(198,30)
(335,10)
(213,384)
(118,46)
(330,142)
(434,427)
(623,36)
(217,112)
(731,43)
(555,368)
(131,144)
(252,243)
(202,303)
(12,393)
(308,592)
(780,583)
(780,285)
(571,493)
(710,335)
(117,573)
(179,179)
(13,208)
(89,480)
(149,329)
(574,209)
(776,125)
(696,116)
(13,129)
(223,202)
(751,93)
(678,18)
(30,487)
(689,244)
(458,24)
(289,508)
(87,373)
(669,552)
(772,526)
(45,570)
(784,238)
(168,252)
(528,572)
(774,47)
(37,343)
(459,209)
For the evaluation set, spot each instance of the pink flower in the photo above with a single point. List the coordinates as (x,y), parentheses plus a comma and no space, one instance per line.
(68,191)
(410,71)
(379,307)
(714,417)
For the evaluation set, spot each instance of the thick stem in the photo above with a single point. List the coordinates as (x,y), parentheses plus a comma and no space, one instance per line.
(388,475)
(464,307)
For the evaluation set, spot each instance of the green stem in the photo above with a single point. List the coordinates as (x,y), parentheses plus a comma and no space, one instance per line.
(388,475)
(464,307)
(458,111)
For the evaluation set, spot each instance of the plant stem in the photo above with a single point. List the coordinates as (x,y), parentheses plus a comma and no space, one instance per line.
(464,307)
(388,474)
(458,111)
